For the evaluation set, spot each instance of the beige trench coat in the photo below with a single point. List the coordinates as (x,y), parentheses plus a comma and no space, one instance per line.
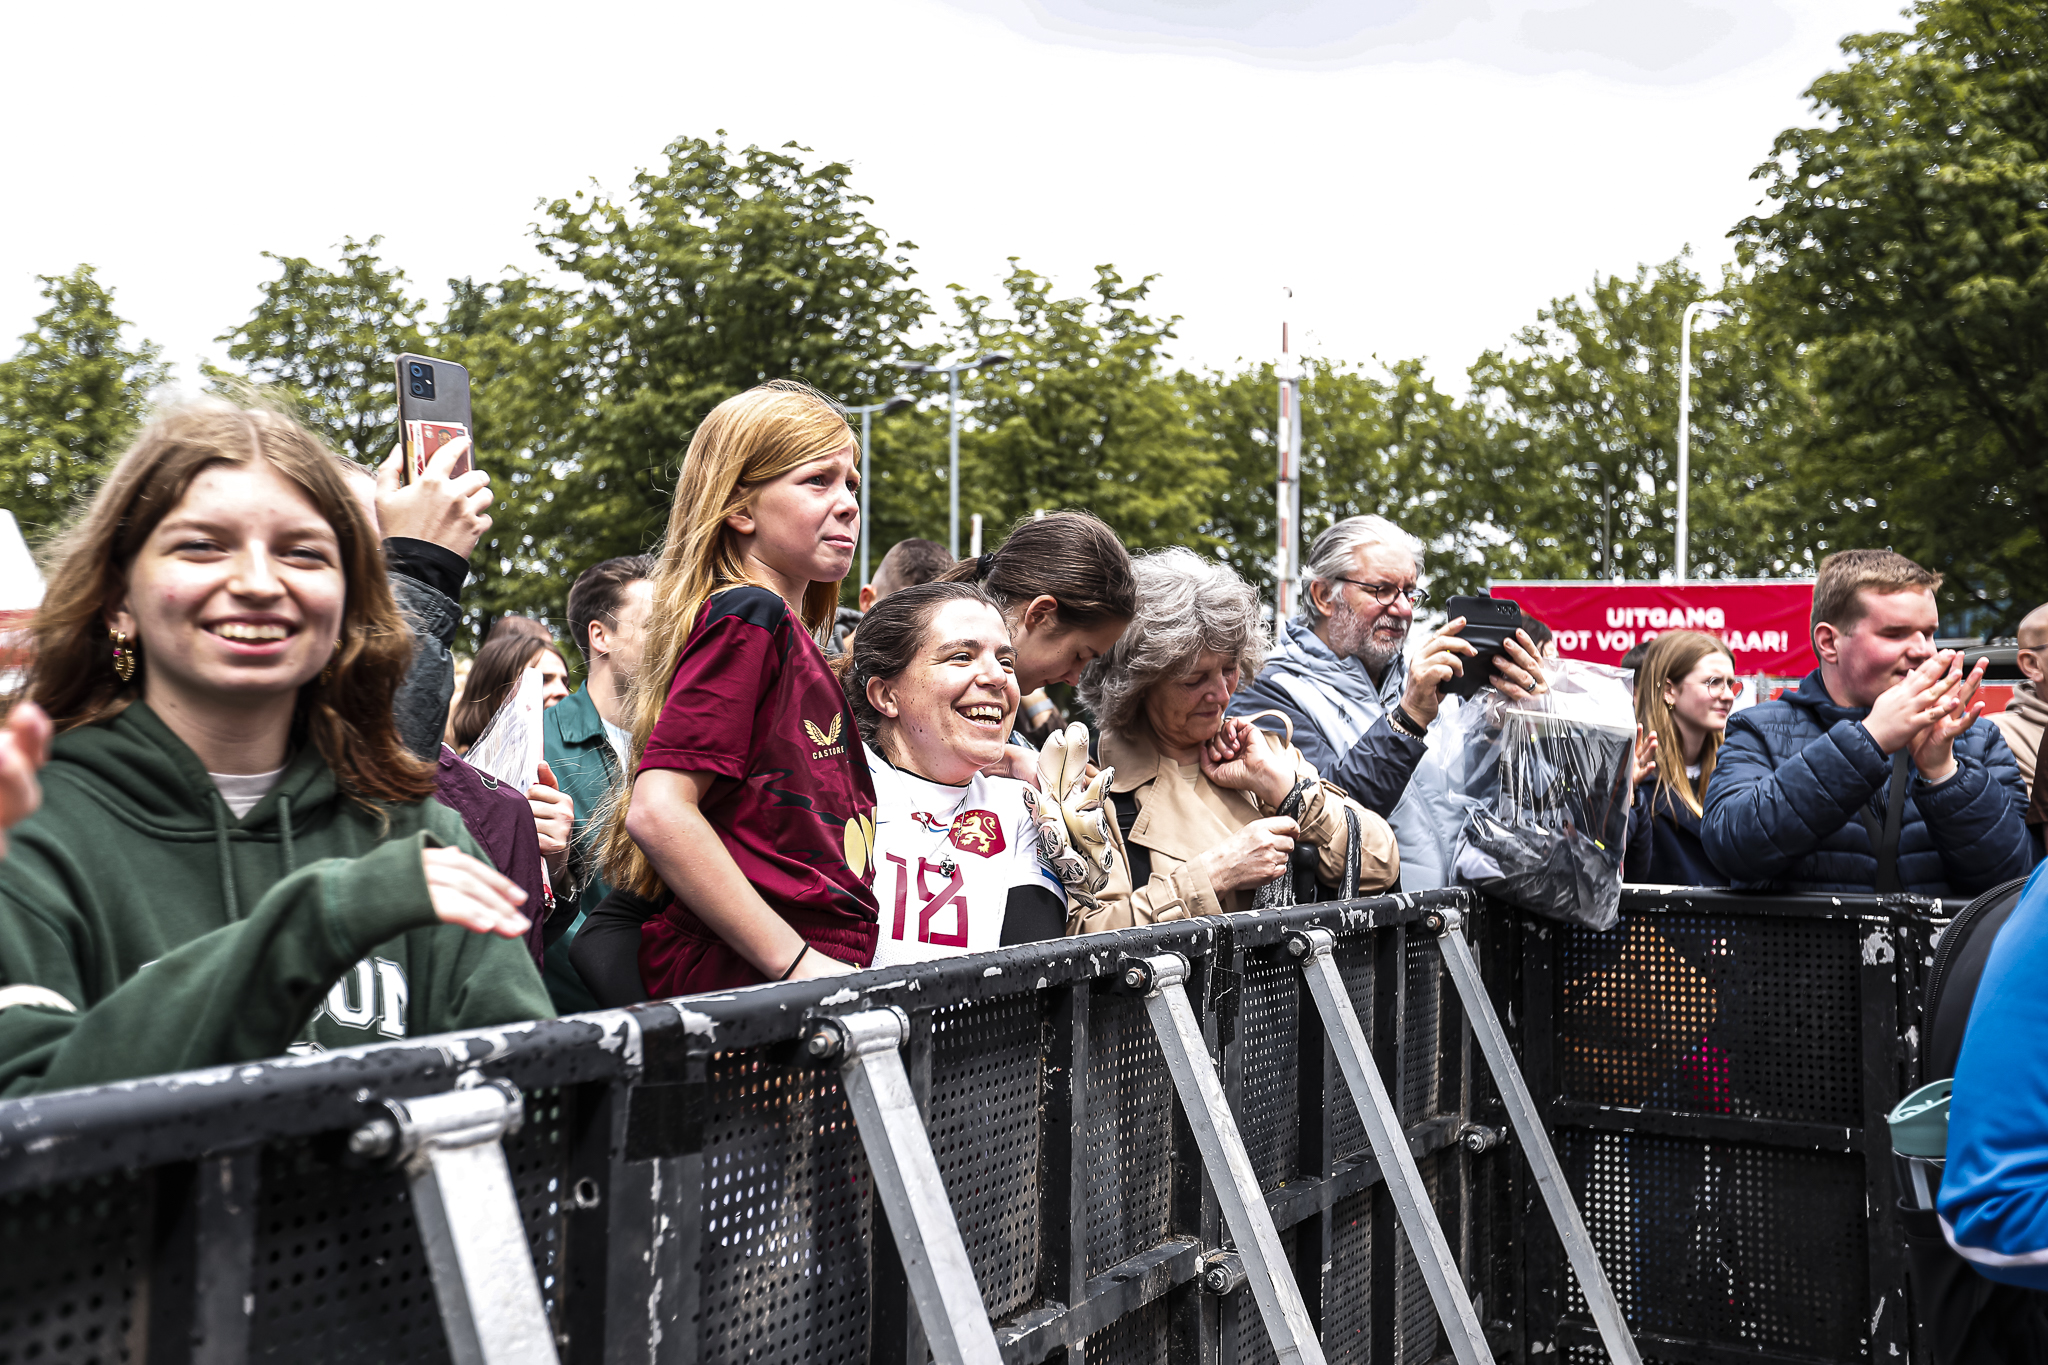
(1182,814)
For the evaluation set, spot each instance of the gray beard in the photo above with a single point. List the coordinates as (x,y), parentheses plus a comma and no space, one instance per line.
(1352,638)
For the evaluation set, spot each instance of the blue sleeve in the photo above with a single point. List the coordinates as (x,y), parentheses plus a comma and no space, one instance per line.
(1761,818)
(1978,817)
(1375,771)
(1994,1190)
(1636,850)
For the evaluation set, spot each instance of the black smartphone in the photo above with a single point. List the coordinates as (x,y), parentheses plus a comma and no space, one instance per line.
(1490,622)
(433,409)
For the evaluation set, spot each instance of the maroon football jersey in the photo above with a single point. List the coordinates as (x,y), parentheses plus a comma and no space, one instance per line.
(754,703)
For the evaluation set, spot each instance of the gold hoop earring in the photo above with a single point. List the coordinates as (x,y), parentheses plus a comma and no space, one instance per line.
(124,655)
(327,673)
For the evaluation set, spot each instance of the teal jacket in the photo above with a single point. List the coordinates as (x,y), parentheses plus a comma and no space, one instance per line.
(587,769)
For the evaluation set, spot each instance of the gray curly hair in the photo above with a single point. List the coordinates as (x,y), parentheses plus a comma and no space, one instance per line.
(1187,606)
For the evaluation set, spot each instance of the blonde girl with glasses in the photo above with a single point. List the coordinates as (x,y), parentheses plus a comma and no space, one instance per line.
(1684,691)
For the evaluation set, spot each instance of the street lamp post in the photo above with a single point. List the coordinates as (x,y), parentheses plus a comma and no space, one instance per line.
(867,412)
(952,373)
(1692,310)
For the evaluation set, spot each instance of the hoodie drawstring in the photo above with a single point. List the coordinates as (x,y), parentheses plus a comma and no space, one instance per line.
(284,824)
(227,862)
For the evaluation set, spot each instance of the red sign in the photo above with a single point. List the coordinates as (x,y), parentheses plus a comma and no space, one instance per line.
(1763,622)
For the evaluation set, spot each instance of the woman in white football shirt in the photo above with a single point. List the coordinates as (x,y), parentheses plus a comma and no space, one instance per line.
(932,681)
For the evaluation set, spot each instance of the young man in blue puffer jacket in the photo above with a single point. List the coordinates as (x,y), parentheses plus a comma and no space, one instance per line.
(1877,773)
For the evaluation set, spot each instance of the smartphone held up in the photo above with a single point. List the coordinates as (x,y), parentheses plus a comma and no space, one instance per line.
(433,411)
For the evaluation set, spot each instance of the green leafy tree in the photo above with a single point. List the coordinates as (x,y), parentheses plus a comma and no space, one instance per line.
(1087,416)
(516,339)
(69,400)
(1580,467)
(1382,441)
(716,271)
(1906,255)
(324,339)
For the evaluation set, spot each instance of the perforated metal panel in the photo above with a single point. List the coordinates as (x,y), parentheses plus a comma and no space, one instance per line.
(1347,1307)
(788,1217)
(1692,1012)
(1421,1027)
(538,1155)
(1415,1328)
(1269,1035)
(984,1123)
(1723,1242)
(1130,1134)
(1254,1341)
(1139,1338)
(1355,965)
(338,1274)
(69,1260)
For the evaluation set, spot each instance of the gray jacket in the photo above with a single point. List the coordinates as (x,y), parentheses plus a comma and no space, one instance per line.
(419,574)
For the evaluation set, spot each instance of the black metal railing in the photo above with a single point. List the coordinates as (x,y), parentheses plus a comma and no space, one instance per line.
(1715,1072)
(694,1188)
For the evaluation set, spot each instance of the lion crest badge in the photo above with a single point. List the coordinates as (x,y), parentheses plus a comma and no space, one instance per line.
(978,832)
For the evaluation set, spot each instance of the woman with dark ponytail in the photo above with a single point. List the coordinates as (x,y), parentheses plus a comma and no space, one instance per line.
(1064,584)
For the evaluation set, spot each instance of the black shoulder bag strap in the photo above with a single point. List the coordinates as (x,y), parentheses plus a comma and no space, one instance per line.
(1125,804)
(1885,840)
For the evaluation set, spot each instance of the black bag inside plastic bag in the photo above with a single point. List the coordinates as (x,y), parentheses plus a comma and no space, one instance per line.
(1551,840)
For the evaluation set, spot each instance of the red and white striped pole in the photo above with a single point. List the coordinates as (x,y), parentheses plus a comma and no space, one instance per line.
(1287,499)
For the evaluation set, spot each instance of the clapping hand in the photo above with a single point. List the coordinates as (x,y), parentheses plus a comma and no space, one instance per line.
(1934,747)
(1915,702)
(1645,766)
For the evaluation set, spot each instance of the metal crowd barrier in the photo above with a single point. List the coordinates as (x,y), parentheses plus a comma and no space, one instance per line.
(1715,1073)
(1131,1147)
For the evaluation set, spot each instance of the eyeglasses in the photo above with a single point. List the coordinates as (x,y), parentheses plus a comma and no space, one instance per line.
(1385,593)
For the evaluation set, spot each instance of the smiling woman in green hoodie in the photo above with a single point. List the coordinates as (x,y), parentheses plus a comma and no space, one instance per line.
(235,854)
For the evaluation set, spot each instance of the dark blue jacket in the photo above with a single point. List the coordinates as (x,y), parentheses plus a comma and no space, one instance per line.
(1664,845)
(1783,808)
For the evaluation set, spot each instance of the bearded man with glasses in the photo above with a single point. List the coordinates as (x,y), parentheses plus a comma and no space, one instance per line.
(1338,671)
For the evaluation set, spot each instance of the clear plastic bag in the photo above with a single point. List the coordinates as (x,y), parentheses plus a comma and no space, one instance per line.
(510,747)
(1550,838)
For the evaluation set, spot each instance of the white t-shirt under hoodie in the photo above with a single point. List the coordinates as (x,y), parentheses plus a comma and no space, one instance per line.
(946,859)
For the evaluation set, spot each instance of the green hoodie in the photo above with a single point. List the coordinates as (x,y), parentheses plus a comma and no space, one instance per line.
(144,929)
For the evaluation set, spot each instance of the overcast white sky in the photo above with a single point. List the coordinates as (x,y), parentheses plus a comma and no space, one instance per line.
(1424,174)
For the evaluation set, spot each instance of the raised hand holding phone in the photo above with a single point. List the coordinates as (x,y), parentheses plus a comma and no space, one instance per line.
(438,506)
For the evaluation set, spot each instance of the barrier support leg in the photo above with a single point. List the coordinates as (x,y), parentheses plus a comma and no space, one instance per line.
(1397,1164)
(449,1147)
(1543,1164)
(868,1047)
(1230,1169)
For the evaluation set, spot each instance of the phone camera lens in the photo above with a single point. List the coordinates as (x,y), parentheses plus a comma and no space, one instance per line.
(418,370)
(419,390)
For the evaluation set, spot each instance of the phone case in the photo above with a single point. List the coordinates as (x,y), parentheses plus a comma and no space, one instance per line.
(431,393)
(1490,622)
(423,439)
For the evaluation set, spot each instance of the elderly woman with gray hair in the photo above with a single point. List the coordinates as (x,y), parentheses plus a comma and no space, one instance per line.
(1210,809)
